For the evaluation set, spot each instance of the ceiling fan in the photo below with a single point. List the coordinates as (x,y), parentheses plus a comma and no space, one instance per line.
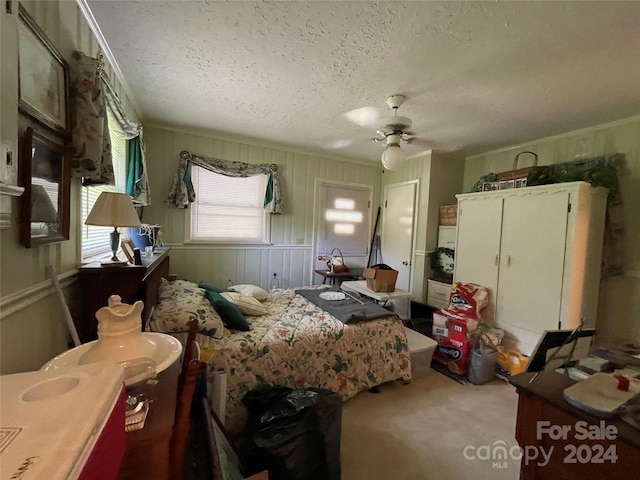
(393,130)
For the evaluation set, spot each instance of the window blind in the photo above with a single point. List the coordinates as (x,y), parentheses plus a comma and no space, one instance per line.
(95,240)
(227,208)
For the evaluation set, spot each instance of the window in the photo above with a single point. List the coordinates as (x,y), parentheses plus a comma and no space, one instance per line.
(228,209)
(95,240)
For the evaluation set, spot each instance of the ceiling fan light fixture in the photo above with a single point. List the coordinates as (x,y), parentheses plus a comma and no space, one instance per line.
(393,157)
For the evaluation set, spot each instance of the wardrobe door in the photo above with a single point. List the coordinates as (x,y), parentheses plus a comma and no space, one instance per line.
(477,250)
(534,231)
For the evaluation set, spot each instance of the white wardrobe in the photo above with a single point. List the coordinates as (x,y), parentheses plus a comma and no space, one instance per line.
(538,250)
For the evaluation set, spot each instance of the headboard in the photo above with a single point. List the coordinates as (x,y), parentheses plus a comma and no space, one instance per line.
(150,284)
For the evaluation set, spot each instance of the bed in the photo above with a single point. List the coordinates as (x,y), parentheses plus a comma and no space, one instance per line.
(296,344)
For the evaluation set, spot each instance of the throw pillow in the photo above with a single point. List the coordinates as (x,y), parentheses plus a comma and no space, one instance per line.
(231,315)
(174,313)
(250,291)
(174,288)
(247,305)
(210,286)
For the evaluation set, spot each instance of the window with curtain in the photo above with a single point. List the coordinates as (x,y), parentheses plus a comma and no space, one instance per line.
(95,240)
(228,209)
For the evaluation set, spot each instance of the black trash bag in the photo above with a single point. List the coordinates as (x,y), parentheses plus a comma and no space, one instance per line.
(294,434)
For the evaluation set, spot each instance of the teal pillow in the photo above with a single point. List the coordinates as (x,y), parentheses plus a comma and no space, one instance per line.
(212,287)
(231,316)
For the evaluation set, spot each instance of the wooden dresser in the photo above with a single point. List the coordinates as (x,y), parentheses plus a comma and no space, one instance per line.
(545,420)
(131,282)
(147,454)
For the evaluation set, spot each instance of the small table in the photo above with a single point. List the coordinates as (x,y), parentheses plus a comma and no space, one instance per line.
(335,276)
(360,286)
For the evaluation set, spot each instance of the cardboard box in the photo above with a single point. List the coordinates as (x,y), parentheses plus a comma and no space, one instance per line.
(380,280)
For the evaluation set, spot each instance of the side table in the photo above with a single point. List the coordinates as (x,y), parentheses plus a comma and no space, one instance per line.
(335,276)
(360,286)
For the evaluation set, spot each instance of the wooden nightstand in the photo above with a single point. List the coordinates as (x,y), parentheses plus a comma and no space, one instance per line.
(147,450)
(98,283)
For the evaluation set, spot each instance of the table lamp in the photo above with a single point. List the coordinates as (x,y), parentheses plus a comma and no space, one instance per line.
(115,210)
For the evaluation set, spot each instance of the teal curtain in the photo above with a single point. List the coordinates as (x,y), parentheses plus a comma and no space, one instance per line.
(135,168)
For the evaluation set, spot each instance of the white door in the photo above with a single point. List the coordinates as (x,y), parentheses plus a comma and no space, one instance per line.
(396,240)
(477,251)
(343,221)
(534,230)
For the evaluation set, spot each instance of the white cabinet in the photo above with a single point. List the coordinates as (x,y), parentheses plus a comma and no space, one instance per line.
(538,250)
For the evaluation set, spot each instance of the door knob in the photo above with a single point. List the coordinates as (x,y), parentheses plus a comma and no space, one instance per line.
(405,263)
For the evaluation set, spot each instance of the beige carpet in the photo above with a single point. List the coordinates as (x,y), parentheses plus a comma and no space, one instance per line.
(420,430)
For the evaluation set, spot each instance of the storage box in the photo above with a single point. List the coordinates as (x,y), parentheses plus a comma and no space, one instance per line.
(449,215)
(61,424)
(380,280)
(421,350)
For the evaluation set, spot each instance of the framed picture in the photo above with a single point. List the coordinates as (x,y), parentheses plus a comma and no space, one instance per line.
(44,171)
(43,78)
(506,184)
(127,247)
(489,186)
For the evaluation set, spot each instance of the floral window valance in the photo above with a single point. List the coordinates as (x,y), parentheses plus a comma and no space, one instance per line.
(182,192)
(91,158)
(93,103)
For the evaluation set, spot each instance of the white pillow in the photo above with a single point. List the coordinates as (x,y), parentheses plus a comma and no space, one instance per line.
(247,305)
(250,291)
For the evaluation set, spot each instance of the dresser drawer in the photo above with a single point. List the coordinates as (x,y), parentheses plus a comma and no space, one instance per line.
(438,294)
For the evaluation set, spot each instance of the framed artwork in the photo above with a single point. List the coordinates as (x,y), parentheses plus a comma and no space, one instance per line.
(44,171)
(128,247)
(506,184)
(43,78)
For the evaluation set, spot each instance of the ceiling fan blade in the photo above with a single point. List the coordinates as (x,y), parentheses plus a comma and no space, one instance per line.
(364,116)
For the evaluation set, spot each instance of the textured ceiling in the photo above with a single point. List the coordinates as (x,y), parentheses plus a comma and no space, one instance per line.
(477,75)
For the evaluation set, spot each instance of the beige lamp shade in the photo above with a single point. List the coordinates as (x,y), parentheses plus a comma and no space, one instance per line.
(113,210)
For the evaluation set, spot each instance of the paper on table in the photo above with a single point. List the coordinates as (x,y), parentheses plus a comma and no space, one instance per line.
(219,394)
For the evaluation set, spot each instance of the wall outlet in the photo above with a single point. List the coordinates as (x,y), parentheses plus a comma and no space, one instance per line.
(299,240)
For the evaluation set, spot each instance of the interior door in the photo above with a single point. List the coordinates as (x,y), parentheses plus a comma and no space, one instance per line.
(477,252)
(398,224)
(343,220)
(534,231)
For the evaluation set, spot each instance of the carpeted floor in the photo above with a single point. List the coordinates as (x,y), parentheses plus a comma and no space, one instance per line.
(416,431)
(419,431)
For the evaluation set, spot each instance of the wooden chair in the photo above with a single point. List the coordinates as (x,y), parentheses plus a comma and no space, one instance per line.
(191,368)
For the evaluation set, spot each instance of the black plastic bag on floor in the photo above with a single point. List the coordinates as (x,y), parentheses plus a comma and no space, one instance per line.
(294,434)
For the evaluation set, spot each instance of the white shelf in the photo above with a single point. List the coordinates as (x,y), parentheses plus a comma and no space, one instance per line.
(11,190)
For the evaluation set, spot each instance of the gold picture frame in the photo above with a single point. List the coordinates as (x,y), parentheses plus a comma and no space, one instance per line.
(128,247)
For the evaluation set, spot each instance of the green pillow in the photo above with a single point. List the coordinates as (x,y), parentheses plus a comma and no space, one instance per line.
(212,287)
(231,316)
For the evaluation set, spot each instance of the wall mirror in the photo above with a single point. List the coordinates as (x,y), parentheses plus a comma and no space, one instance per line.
(45,174)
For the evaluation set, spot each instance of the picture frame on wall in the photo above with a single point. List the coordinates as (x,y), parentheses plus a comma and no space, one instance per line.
(43,75)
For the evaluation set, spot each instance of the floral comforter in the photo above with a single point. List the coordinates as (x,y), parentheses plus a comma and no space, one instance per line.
(299,345)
